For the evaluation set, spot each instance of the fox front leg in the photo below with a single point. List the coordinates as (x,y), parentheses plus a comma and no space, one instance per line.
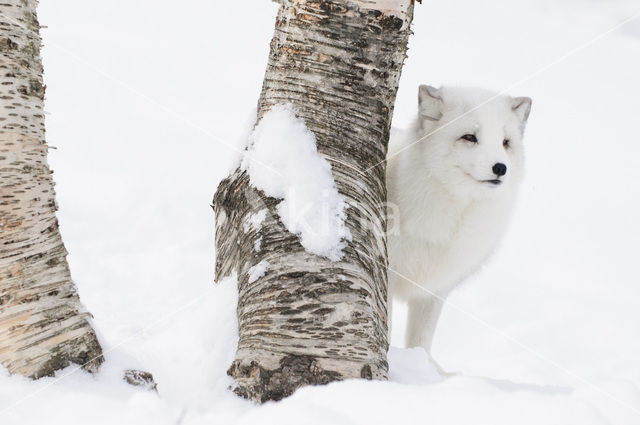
(422,320)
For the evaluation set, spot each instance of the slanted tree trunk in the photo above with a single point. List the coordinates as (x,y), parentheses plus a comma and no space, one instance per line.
(309,320)
(42,324)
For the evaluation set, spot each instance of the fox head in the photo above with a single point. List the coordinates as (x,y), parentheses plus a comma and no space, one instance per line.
(472,139)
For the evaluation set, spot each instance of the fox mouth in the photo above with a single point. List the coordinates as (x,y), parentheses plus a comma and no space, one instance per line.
(494,182)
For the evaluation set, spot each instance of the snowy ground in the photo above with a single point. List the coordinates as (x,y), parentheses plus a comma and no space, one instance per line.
(145,100)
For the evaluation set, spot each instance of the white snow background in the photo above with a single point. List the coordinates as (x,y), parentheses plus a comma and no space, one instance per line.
(147,96)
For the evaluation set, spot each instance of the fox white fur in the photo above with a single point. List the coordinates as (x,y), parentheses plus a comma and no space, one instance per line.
(449,205)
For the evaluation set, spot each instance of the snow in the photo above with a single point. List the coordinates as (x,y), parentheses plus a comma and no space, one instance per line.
(283,161)
(257,245)
(259,270)
(255,220)
(547,333)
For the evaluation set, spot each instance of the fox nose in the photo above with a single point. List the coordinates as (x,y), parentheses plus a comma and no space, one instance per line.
(499,169)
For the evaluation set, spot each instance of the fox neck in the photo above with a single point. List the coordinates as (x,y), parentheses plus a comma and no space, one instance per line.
(439,213)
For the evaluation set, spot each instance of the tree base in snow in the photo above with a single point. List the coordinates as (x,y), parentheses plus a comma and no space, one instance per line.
(256,382)
(86,353)
(308,320)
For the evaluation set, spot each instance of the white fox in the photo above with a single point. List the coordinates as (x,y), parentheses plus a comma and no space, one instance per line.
(453,192)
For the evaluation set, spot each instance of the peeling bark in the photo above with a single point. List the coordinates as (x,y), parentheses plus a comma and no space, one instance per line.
(140,378)
(308,320)
(43,327)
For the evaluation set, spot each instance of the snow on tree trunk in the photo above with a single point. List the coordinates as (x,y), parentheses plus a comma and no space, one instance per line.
(304,319)
(42,324)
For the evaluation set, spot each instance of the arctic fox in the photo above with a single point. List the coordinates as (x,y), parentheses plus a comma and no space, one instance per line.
(452,193)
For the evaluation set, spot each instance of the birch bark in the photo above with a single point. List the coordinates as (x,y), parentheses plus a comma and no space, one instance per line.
(309,320)
(42,324)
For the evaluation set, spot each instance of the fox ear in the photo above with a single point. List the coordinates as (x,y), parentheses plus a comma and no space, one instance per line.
(430,102)
(521,106)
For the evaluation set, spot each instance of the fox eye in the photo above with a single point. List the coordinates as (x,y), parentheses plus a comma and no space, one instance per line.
(470,138)
(506,143)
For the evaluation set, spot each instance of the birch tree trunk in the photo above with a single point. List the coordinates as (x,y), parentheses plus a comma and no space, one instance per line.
(42,325)
(309,320)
